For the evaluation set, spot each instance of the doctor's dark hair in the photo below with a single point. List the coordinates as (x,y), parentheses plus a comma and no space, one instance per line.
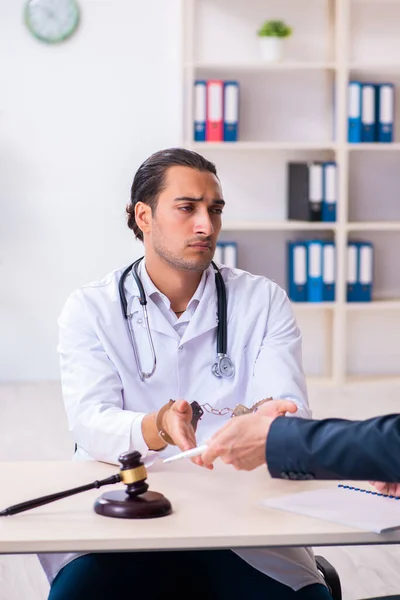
(149,180)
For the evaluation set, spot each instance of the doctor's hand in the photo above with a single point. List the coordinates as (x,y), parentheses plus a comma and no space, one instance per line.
(241,442)
(391,489)
(177,423)
(277,408)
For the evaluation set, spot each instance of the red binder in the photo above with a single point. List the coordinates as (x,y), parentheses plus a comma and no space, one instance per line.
(215,111)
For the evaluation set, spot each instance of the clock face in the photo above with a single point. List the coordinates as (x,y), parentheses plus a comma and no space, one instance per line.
(52,20)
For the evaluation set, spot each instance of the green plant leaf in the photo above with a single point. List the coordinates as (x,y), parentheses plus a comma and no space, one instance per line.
(274,29)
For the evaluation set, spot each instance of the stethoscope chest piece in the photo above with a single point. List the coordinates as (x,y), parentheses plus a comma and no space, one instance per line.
(224,367)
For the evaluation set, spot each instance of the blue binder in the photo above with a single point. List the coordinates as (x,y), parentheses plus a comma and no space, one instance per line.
(365,271)
(354,112)
(352,272)
(297,271)
(384,112)
(231,111)
(200,91)
(368,113)
(219,253)
(314,272)
(328,272)
(230,254)
(329,193)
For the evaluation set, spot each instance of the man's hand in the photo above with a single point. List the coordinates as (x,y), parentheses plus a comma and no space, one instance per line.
(391,489)
(240,442)
(277,408)
(176,421)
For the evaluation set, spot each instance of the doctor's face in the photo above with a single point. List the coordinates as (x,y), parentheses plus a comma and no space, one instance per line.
(187,220)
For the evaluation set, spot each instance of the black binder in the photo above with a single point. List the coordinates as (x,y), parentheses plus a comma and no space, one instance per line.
(305,191)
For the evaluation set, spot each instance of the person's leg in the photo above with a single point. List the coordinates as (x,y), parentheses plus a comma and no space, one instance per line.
(314,592)
(226,575)
(85,577)
(182,575)
(102,576)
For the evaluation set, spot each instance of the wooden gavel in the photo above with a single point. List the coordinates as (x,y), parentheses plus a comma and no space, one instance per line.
(135,502)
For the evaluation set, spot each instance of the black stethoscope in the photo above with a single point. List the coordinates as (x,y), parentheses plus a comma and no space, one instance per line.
(223,367)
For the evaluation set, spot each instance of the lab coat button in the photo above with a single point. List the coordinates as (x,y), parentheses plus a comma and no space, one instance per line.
(139,321)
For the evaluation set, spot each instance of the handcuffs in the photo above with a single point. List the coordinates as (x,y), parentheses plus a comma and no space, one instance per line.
(198,412)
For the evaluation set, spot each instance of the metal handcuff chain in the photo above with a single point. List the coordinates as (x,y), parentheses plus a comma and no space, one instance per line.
(239,409)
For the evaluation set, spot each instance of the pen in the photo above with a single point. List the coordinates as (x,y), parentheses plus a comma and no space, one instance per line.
(187,454)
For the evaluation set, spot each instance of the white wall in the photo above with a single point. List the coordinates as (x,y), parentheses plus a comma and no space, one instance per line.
(76,120)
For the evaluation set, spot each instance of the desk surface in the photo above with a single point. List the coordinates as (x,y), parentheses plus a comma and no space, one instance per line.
(212,509)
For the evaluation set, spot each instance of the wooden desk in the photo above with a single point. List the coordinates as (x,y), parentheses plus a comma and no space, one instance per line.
(212,509)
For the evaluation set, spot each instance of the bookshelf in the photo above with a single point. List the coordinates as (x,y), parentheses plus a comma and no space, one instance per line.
(261,66)
(277,226)
(287,112)
(239,146)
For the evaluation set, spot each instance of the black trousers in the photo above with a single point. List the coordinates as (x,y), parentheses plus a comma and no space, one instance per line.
(174,575)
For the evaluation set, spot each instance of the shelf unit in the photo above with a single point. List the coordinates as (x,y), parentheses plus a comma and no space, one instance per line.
(278,226)
(261,66)
(326,65)
(394,147)
(268,146)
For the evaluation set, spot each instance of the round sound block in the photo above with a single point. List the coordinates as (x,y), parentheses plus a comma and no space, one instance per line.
(144,506)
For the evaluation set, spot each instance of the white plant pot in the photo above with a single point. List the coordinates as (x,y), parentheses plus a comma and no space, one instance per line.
(271,48)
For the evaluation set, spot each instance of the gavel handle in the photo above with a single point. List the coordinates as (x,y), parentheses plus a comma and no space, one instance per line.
(17,508)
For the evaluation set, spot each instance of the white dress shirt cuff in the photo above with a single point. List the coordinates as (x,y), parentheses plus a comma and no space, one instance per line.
(137,440)
(303,410)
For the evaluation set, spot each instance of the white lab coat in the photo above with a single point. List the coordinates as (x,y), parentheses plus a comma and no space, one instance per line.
(105,399)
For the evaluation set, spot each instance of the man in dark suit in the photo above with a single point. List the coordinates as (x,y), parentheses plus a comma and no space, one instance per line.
(309,449)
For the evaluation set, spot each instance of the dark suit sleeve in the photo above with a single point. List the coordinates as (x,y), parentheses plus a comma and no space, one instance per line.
(335,449)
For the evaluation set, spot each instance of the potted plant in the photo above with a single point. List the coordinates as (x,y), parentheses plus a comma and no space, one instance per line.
(271,34)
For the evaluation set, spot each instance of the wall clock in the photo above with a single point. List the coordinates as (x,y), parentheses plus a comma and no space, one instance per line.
(52,21)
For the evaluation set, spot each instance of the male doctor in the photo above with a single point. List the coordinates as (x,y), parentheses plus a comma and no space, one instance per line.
(119,376)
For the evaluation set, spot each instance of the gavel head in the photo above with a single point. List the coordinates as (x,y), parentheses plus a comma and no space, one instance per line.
(135,502)
(130,460)
(133,473)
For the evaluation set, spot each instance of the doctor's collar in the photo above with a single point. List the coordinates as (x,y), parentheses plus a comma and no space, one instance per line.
(151,290)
